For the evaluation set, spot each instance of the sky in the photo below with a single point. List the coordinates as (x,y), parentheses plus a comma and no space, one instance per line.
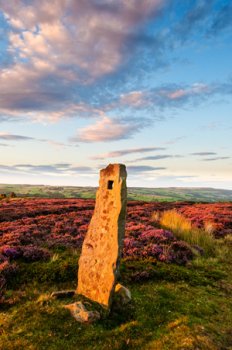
(146,83)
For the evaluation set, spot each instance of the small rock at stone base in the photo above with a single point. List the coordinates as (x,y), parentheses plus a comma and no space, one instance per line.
(81,314)
(123,293)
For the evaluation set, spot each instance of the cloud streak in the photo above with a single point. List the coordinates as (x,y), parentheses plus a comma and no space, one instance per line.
(59,169)
(143,168)
(22,138)
(12,137)
(214,159)
(123,152)
(158,157)
(222,20)
(4,145)
(202,154)
(172,95)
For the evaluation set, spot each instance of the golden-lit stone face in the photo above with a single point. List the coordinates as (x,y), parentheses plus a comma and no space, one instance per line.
(102,247)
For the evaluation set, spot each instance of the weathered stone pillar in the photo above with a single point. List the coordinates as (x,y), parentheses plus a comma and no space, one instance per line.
(102,247)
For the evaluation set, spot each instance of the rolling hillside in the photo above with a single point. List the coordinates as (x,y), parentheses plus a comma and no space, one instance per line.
(168,194)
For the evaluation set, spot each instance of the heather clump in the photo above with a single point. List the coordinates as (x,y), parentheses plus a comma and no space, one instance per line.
(28,253)
(152,250)
(180,253)
(12,252)
(156,235)
(131,247)
(32,253)
(157,243)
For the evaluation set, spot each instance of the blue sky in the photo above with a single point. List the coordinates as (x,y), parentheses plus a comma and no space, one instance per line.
(146,83)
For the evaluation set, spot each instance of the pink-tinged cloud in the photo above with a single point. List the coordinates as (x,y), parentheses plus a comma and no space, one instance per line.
(167,95)
(85,34)
(124,152)
(177,94)
(61,43)
(133,98)
(59,51)
(106,129)
(195,89)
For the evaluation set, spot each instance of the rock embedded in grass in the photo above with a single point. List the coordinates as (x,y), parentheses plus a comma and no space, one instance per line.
(81,314)
(122,294)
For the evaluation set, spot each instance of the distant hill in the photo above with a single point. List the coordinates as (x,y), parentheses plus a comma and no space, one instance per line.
(168,194)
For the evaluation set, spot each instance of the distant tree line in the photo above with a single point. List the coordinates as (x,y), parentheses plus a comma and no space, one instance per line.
(11,195)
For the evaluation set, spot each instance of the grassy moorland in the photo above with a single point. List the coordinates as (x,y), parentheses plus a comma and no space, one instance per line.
(173,307)
(134,193)
(181,296)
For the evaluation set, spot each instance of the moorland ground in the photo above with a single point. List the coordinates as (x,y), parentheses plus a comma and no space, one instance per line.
(181,290)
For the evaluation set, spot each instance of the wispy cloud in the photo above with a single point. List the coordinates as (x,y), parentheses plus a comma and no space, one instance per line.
(12,137)
(211,156)
(21,138)
(4,145)
(222,19)
(202,154)
(214,159)
(174,140)
(59,169)
(172,95)
(124,152)
(143,168)
(196,15)
(107,129)
(133,98)
(158,157)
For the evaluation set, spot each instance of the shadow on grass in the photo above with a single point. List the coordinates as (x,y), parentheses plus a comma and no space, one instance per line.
(160,296)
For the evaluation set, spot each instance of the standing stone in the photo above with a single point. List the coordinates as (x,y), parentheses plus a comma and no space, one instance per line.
(102,247)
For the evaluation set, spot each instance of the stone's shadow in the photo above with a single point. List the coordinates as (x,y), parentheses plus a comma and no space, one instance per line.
(85,310)
(118,316)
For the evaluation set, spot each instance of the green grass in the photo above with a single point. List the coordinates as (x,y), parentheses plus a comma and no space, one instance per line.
(176,307)
(170,194)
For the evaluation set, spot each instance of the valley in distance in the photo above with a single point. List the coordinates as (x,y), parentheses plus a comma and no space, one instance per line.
(167,194)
